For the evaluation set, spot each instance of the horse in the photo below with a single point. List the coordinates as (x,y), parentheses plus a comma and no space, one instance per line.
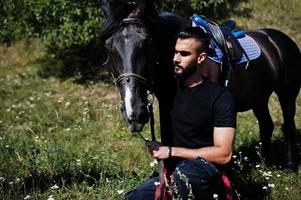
(140,45)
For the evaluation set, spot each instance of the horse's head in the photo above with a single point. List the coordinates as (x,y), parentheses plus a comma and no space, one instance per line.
(129,60)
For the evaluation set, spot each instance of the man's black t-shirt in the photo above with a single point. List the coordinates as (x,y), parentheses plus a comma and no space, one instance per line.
(197,110)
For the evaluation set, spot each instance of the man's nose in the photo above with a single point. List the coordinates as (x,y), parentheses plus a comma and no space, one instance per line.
(176,58)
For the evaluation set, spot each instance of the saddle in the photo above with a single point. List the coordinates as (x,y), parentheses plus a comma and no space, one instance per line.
(235,50)
(225,38)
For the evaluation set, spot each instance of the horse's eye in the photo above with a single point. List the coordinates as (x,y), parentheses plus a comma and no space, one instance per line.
(126,36)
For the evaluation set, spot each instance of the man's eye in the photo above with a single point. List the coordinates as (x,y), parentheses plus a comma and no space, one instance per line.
(184,53)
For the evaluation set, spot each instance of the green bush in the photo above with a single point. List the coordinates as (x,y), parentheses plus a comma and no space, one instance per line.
(187,7)
(64,23)
(69,30)
(59,23)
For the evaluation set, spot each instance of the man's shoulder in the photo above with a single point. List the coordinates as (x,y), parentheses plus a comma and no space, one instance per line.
(214,87)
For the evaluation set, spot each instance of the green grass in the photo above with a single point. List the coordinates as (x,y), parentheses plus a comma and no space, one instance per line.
(65,140)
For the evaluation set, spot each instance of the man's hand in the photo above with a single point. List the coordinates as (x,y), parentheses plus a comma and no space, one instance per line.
(157,149)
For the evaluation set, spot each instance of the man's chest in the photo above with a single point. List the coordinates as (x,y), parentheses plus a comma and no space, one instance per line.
(192,111)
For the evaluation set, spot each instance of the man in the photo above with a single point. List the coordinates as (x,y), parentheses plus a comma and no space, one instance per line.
(203,123)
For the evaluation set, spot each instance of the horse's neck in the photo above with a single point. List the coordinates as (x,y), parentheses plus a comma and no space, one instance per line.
(169,26)
(164,33)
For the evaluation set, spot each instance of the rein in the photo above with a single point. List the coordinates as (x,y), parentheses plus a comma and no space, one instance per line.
(151,118)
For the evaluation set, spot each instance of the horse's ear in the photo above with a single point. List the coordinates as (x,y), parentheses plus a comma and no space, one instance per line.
(105,8)
(143,7)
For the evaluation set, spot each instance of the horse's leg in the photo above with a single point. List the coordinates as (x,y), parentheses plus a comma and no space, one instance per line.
(266,126)
(288,106)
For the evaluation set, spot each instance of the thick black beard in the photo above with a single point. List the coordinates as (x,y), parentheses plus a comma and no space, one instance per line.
(186,74)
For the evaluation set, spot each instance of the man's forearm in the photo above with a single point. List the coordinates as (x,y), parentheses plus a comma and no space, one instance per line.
(216,155)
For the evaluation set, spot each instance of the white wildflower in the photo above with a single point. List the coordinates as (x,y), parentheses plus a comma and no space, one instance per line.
(47,94)
(271,185)
(264,187)
(50,198)
(257,166)
(155,162)
(54,187)
(215,196)
(267,174)
(27,197)
(120,191)
(156,183)
(61,99)
(67,103)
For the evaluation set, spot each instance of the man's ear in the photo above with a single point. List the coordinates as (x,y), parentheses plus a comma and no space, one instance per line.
(202,56)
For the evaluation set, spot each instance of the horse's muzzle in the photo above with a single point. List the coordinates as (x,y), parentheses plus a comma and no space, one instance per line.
(135,127)
(138,118)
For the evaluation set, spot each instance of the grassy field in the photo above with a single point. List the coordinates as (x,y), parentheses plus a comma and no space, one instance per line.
(64,140)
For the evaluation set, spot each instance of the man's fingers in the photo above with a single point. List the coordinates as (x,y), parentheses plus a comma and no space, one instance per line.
(153,145)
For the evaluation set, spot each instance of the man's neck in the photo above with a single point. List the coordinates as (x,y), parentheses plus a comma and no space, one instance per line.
(194,79)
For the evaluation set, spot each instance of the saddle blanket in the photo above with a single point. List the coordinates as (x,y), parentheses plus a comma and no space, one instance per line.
(247,43)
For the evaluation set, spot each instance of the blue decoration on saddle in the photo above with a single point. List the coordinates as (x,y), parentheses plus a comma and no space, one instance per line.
(247,43)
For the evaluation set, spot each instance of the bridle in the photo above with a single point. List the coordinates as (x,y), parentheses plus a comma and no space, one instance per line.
(139,78)
(128,76)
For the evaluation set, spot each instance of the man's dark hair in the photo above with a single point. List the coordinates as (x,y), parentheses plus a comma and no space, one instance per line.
(197,33)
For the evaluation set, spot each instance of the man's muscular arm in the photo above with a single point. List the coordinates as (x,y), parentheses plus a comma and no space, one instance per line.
(219,153)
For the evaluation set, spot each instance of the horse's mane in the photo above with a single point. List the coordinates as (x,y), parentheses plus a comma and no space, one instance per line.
(121,9)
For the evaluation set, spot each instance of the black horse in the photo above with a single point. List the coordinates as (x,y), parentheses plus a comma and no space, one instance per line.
(140,42)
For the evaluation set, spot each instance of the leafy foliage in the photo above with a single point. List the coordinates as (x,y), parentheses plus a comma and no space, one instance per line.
(60,23)
(186,8)
(63,23)
(69,29)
